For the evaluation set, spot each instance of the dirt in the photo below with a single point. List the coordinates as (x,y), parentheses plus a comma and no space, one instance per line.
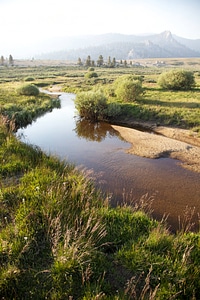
(164,142)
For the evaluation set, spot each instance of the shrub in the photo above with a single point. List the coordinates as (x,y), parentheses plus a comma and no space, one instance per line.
(29,79)
(91,74)
(90,69)
(128,88)
(91,105)
(177,80)
(28,90)
(113,110)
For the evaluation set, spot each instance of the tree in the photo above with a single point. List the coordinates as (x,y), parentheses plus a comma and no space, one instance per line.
(2,60)
(100,61)
(11,60)
(114,62)
(79,62)
(128,88)
(88,61)
(177,80)
(109,61)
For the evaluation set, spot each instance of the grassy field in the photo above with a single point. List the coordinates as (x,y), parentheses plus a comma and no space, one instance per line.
(59,238)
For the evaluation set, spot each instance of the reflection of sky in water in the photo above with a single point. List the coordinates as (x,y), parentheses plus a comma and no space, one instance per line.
(99,147)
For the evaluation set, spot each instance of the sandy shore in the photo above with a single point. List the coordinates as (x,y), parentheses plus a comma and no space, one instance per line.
(164,142)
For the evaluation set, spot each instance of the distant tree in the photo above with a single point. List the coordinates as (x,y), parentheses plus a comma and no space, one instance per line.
(93,63)
(131,63)
(11,60)
(2,61)
(121,62)
(114,62)
(177,80)
(109,61)
(79,62)
(100,61)
(125,63)
(88,61)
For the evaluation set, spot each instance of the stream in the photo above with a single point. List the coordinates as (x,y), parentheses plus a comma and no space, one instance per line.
(123,177)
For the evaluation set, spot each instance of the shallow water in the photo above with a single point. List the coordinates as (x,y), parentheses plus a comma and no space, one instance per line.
(125,177)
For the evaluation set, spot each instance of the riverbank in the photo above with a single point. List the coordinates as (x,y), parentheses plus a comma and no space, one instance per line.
(164,142)
(159,141)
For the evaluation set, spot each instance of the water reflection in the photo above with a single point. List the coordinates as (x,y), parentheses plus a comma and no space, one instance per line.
(98,146)
(93,131)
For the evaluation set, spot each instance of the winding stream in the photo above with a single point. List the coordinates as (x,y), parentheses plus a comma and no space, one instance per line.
(125,177)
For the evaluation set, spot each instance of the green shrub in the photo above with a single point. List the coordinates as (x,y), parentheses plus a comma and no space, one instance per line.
(113,110)
(90,69)
(28,90)
(91,105)
(128,88)
(91,74)
(29,79)
(177,80)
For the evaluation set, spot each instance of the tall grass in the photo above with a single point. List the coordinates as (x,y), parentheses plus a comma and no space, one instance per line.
(60,239)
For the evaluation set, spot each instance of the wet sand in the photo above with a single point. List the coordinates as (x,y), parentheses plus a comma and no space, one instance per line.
(164,142)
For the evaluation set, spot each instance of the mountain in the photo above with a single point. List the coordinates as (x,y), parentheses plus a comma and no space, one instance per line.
(120,46)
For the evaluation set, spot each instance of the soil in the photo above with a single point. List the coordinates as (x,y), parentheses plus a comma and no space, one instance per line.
(161,141)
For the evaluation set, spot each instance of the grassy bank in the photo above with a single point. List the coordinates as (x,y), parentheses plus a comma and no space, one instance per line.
(177,108)
(59,238)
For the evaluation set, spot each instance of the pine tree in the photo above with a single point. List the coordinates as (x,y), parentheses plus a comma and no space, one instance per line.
(114,62)
(79,62)
(109,61)
(88,61)
(11,60)
(100,61)
(2,61)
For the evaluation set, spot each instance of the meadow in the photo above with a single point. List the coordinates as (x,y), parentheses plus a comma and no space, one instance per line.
(59,237)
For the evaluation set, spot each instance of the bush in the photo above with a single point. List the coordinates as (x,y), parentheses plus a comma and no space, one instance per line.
(91,105)
(177,80)
(91,74)
(29,90)
(29,79)
(113,110)
(128,88)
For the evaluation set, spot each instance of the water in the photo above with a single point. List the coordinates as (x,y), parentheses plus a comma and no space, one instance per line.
(123,176)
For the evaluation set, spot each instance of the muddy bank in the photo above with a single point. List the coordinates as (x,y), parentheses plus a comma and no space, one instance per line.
(169,142)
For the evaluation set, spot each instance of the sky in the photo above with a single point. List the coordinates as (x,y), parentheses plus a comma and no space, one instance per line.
(25,24)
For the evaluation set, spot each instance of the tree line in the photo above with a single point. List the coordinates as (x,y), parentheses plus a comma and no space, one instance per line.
(88,62)
(5,61)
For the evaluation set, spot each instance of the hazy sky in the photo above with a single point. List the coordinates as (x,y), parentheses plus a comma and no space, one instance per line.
(26,23)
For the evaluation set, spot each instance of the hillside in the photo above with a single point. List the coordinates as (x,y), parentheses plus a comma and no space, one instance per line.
(122,47)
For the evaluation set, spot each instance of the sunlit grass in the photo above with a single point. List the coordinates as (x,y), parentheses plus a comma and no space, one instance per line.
(59,238)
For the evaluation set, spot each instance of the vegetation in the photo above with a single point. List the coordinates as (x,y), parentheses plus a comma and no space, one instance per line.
(28,90)
(59,238)
(128,88)
(91,104)
(16,104)
(177,80)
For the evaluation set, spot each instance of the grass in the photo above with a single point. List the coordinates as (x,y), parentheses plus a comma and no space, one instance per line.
(59,238)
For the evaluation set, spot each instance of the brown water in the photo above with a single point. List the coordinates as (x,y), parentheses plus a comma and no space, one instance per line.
(125,177)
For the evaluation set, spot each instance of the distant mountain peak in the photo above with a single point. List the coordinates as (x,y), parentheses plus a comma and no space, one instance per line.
(167,36)
(123,46)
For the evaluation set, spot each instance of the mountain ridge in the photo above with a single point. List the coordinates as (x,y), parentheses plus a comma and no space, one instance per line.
(121,46)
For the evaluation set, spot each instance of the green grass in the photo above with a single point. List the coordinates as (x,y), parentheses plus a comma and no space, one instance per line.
(59,238)
(23,109)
